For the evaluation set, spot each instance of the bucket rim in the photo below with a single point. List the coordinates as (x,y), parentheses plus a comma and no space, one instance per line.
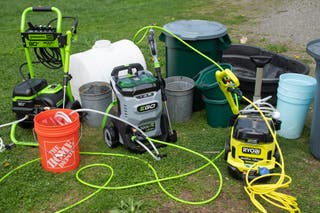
(296,93)
(83,88)
(215,101)
(206,71)
(308,81)
(174,79)
(294,100)
(40,127)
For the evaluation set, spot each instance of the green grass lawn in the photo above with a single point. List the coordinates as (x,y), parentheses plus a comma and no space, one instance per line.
(31,189)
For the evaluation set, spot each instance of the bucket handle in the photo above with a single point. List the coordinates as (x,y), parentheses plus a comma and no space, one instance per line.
(61,115)
(224,41)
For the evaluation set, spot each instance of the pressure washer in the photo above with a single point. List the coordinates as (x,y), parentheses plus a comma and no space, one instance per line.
(52,49)
(250,140)
(141,101)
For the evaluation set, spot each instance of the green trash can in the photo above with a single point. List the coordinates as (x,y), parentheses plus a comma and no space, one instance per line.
(208,37)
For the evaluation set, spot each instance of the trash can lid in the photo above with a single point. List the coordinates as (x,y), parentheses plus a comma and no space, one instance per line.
(196,29)
(313,48)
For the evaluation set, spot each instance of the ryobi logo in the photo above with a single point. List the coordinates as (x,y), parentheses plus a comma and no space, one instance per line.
(253,151)
(147,107)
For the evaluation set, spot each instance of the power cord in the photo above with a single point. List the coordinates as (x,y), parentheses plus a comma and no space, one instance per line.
(49,57)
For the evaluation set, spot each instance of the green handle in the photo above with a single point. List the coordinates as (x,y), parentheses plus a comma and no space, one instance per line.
(23,26)
(41,9)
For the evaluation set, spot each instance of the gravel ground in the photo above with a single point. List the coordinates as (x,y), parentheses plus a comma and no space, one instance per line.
(294,21)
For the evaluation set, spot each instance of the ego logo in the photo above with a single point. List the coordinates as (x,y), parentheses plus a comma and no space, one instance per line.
(147,107)
(253,151)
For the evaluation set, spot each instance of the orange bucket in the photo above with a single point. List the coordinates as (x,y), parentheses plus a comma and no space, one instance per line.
(58,137)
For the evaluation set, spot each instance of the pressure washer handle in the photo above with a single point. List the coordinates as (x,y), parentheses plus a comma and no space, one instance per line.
(153,50)
(41,9)
(228,84)
(129,67)
(152,43)
(24,25)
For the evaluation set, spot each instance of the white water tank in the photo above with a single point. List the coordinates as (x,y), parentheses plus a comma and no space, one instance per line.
(97,63)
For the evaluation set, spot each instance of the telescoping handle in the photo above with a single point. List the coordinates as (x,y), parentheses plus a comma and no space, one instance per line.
(154,54)
(128,67)
(24,25)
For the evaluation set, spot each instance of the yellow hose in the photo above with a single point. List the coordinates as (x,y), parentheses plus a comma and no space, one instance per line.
(269,191)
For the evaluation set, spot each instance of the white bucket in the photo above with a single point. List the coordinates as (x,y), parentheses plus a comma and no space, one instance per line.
(295,93)
(97,63)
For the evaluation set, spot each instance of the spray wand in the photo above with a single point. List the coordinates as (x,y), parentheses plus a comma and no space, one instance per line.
(153,50)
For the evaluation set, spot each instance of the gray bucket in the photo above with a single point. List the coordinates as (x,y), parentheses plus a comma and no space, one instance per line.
(97,96)
(179,90)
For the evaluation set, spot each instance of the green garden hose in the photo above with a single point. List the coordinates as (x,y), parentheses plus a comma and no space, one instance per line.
(253,188)
(156,180)
(156,177)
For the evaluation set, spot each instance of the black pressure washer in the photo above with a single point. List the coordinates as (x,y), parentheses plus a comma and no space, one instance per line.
(141,102)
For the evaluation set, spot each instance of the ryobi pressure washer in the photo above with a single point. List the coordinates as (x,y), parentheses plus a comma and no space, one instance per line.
(141,101)
(250,140)
(52,49)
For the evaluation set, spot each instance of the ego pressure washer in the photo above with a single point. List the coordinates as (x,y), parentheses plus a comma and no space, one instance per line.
(52,49)
(250,140)
(141,101)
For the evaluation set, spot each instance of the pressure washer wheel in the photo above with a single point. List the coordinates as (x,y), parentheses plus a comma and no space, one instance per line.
(111,136)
